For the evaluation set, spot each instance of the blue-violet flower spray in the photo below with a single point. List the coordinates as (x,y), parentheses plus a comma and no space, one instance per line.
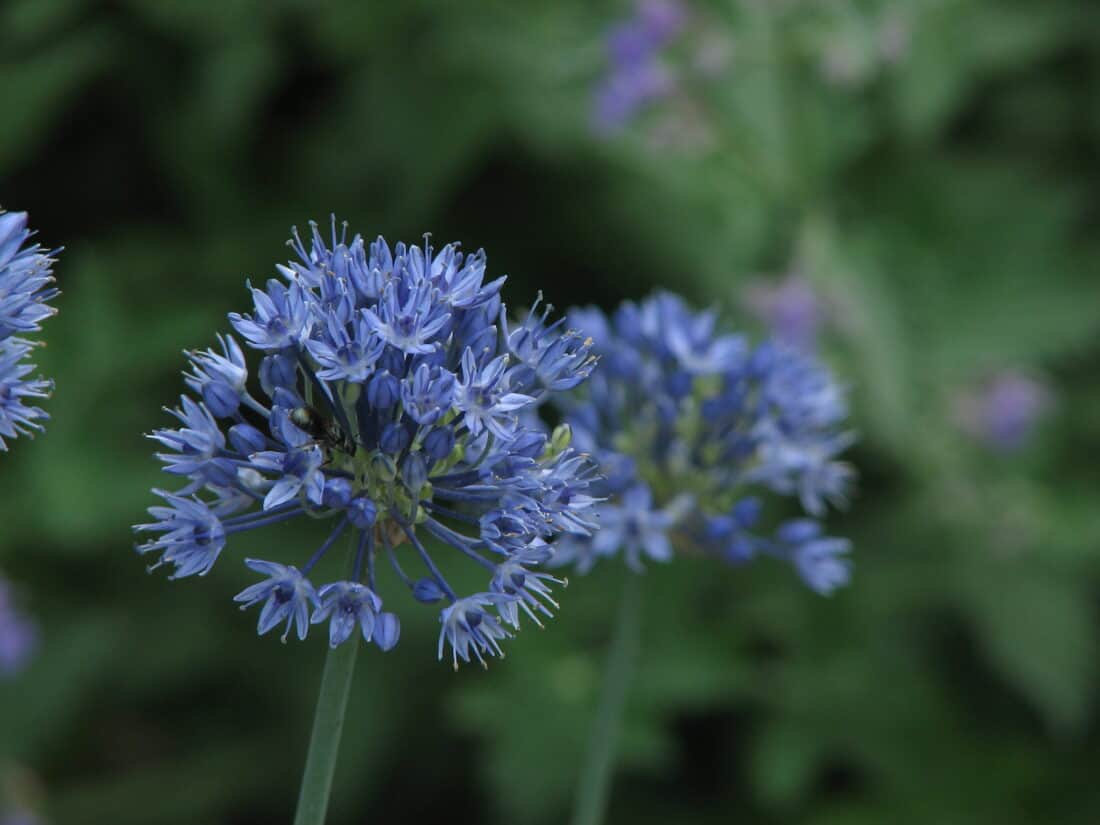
(391,404)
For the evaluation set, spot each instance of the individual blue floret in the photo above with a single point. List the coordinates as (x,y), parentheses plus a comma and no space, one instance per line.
(287,595)
(468,627)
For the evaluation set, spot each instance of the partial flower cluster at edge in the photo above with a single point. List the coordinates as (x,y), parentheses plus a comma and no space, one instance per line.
(26,286)
(391,404)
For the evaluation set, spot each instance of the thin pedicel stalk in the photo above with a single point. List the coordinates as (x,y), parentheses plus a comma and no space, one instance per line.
(595,779)
(328,725)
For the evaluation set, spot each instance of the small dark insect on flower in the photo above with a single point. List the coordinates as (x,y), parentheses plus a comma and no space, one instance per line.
(308,419)
(326,432)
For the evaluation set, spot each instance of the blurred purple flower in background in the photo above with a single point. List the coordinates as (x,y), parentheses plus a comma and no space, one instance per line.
(20,789)
(861,47)
(18,634)
(637,74)
(791,309)
(1004,411)
(894,38)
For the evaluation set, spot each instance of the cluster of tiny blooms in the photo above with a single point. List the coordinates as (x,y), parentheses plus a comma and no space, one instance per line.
(698,435)
(637,74)
(26,284)
(394,403)
(18,634)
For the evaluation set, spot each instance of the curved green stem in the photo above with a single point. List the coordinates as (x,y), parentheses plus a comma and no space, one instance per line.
(328,724)
(599,763)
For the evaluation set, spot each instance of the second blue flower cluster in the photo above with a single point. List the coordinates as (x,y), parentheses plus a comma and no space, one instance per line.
(700,436)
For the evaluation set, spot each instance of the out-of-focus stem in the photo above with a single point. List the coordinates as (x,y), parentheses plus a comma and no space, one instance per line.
(599,764)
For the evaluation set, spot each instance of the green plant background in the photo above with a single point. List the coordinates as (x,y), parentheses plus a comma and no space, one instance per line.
(947,204)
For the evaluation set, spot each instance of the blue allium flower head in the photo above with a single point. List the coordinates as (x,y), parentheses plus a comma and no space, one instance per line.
(698,435)
(18,634)
(26,285)
(394,403)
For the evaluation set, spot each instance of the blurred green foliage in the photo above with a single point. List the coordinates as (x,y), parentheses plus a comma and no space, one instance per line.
(945,202)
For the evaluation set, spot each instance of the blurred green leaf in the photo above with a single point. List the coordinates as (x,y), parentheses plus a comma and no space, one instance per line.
(1040,632)
(40,87)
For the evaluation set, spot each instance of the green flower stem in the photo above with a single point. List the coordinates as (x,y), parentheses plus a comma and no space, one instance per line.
(328,725)
(599,763)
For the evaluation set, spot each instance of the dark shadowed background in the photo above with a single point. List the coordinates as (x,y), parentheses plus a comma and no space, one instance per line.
(927,169)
